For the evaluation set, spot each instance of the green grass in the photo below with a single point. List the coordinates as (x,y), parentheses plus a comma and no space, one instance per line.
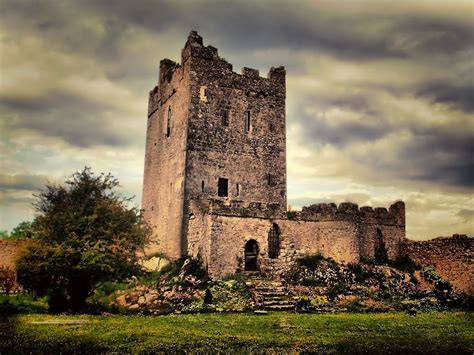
(434,333)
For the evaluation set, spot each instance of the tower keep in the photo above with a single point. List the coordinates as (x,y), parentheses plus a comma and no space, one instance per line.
(211,134)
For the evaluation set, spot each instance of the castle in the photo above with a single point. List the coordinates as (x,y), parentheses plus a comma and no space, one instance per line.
(215,176)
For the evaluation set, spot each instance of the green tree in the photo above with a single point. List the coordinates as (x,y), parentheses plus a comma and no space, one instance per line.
(22,230)
(85,234)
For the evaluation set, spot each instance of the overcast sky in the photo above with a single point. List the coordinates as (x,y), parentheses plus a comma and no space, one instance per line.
(380,100)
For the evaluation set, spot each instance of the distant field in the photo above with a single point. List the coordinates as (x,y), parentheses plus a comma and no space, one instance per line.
(334,333)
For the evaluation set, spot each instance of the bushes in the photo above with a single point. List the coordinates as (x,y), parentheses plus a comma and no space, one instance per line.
(358,271)
(405,263)
(7,280)
(335,290)
(22,303)
(312,281)
(402,262)
(313,261)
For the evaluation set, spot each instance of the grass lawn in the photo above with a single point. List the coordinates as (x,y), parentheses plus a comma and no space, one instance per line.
(441,333)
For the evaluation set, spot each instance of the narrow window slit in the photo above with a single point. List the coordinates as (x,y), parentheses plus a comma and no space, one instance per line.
(247,121)
(168,123)
(225,118)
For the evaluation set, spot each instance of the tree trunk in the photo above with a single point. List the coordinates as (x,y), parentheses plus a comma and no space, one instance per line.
(78,293)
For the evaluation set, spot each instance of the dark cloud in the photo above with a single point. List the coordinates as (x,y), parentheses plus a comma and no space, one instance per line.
(441,158)
(461,97)
(78,121)
(432,37)
(338,129)
(244,25)
(465,214)
(435,153)
(22,182)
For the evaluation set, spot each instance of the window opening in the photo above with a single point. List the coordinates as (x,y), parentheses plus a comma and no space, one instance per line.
(247,121)
(203,93)
(274,241)
(237,189)
(168,123)
(225,118)
(271,180)
(223,187)
(202,186)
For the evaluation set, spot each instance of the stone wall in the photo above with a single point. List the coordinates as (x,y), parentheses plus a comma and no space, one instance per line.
(165,158)
(452,258)
(221,144)
(218,234)
(224,125)
(8,250)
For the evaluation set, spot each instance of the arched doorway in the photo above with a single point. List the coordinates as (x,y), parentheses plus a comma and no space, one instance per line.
(251,255)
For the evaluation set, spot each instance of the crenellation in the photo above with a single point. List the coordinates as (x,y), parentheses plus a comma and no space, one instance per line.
(167,68)
(251,73)
(277,75)
(348,208)
(397,210)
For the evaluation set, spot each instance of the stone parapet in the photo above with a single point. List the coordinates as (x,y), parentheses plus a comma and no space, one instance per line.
(346,211)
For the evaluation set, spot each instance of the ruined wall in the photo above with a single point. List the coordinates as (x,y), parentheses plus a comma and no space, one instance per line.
(375,227)
(218,234)
(8,250)
(452,258)
(219,145)
(165,157)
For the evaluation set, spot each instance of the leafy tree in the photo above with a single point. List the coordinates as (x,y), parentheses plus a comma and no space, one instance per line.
(23,230)
(4,234)
(85,234)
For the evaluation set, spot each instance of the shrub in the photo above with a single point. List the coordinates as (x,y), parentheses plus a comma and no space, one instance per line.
(405,263)
(336,290)
(22,303)
(319,301)
(194,267)
(312,281)
(358,271)
(208,297)
(313,261)
(7,280)
(109,288)
(291,214)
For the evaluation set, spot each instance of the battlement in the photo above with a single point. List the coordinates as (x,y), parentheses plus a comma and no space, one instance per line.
(321,212)
(195,47)
(348,211)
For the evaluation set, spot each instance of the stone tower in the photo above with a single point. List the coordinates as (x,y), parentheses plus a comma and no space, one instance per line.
(211,134)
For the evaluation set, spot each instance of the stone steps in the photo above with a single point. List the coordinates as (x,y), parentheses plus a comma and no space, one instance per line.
(270,295)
